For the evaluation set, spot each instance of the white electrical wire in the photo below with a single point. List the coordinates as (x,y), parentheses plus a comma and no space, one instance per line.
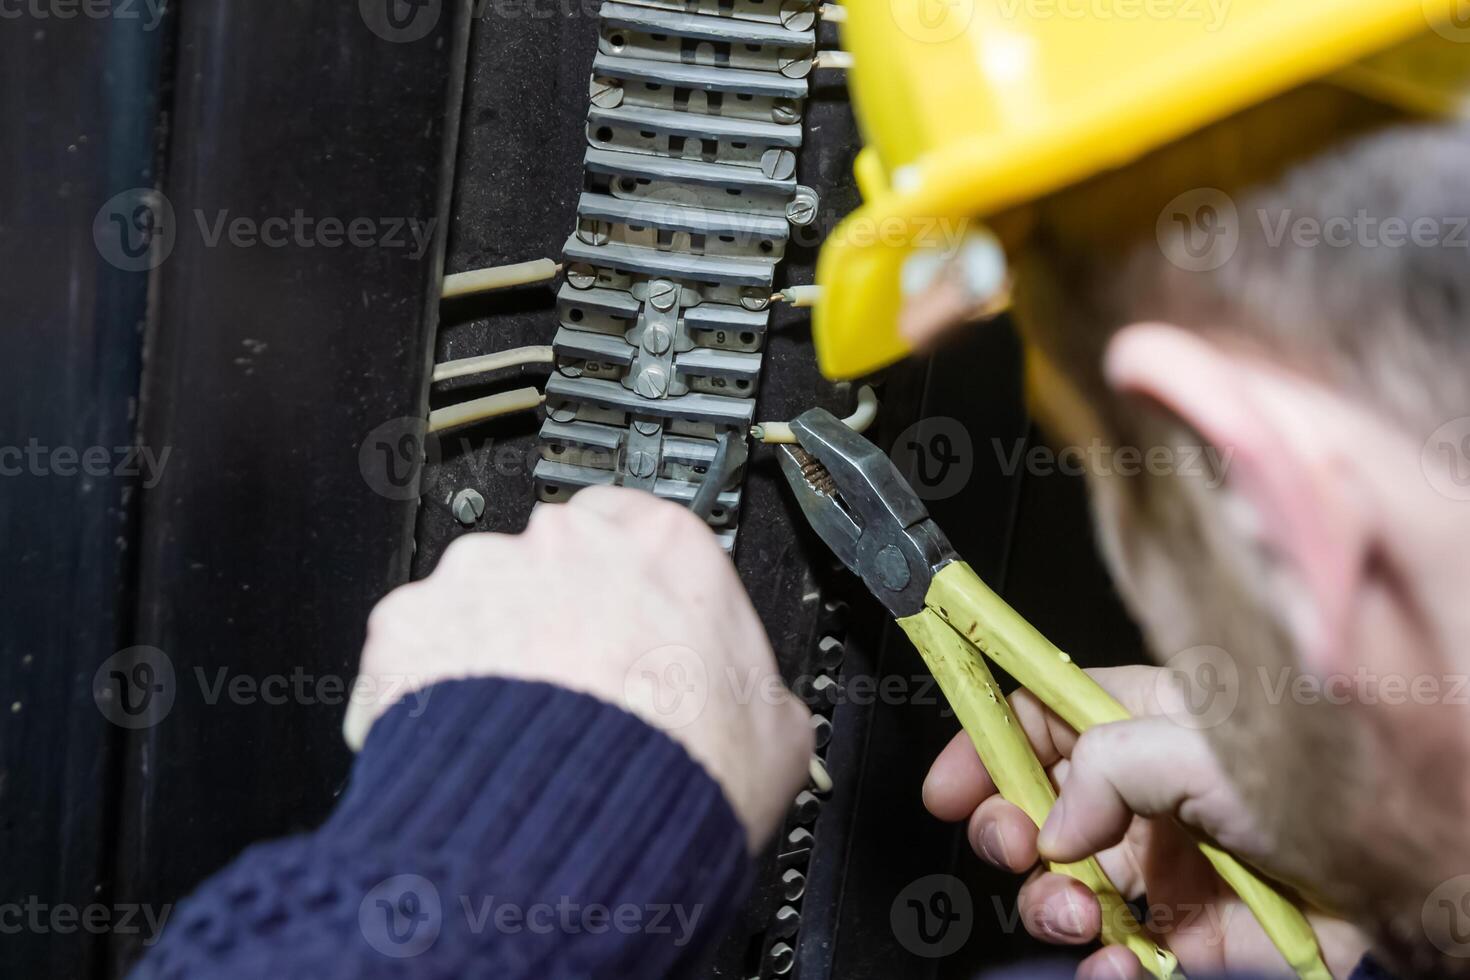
(834,13)
(486,363)
(799,295)
(498,277)
(779,433)
(833,59)
(480,409)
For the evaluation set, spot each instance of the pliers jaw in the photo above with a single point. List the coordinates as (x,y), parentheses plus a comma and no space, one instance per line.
(864,510)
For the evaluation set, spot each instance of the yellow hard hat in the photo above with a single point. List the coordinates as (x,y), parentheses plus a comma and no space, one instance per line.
(969,107)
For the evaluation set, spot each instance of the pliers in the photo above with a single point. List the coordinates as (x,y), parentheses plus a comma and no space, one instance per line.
(865,511)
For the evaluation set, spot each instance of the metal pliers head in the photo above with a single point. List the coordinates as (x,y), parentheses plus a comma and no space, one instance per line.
(864,510)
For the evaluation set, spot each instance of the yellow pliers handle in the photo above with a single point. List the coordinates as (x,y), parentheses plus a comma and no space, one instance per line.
(962,615)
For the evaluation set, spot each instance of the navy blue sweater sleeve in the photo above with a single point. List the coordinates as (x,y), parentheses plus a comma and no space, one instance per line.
(511,830)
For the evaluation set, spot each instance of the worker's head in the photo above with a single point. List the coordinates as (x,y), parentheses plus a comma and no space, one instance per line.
(1291,287)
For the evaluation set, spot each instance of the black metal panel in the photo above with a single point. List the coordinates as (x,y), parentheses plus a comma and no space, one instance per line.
(277,351)
(78,104)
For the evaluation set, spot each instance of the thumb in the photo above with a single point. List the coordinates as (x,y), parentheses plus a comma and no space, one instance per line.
(1144,767)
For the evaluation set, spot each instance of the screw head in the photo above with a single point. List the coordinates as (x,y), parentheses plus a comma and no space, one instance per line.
(796,67)
(778,164)
(755,300)
(785,111)
(653,381)
(793,884)
(642,464)
(468,506)
(647,427)
(581,276)
(892,568)
(657,338)
(605,94)
(593,232)
(798,15)
(801,212)
(663,295)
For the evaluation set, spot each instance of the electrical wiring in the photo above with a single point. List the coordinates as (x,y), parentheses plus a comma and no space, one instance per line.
(834,13)
(489,407)
(485,363)
(799,296)
(498,277)
(833,59)
(779,433)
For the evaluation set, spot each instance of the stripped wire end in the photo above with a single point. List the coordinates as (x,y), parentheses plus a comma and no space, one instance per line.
(813,472)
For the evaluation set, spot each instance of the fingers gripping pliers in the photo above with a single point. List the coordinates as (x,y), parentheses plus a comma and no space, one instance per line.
(861,506)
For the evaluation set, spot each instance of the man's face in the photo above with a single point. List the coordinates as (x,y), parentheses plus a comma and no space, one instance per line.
(1322,775)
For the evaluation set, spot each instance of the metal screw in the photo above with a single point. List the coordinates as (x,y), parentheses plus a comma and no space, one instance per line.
(647,427)
(785,111)
(806,806)
(788,920)
(652,382)
(657,338)
(798,15)
(642,464)
(831,649)
(796,67)
(561,413)
(468,506)
(593,232)
(605,94)
(755,300)
(581,276)
(778,164)
(821,731)
(793,884)
(781,958)
(801,211)
(663,295)
(892,568)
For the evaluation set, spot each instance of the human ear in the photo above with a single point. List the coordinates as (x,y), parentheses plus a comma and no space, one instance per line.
(1280,487)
